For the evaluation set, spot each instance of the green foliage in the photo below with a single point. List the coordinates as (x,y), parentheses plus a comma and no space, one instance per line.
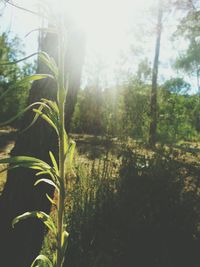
(189,26)
(13,94)
(115,111)
(189,61)
(88,112)
(124,111)
(135,118)
(177,86)
(176,117)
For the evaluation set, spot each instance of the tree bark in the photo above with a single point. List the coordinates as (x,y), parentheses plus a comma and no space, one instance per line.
(153,100)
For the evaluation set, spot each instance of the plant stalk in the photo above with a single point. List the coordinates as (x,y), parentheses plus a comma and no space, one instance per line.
(61,196)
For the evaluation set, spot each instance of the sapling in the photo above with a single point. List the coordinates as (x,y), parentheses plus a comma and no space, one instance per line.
(53,112)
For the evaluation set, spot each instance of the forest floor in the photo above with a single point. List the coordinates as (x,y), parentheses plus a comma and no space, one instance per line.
(96,149)
(93,148)
(104,156)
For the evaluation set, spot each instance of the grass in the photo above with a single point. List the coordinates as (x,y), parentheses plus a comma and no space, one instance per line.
(94,151)
(97,169)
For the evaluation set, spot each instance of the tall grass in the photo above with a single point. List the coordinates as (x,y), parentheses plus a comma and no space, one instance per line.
(94,183)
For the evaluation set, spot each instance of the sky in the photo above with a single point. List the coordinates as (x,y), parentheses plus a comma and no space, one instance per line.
(111,29)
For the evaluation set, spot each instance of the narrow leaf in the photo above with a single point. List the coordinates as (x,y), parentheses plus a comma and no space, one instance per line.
(52,104)
(42,258)
(51,200)
(17,61)
(34,119)
(55,165)
(23,159)
(34,77)
(48,181)
(45,218)
(20,113)
(65,143)
(47,119)
(65,236)
(47,60)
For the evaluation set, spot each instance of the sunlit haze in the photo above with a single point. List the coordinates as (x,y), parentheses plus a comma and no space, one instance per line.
(108,25)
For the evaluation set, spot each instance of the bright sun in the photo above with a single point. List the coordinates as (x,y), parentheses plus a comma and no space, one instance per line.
(105,22)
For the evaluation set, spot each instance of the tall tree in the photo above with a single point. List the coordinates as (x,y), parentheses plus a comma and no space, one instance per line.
(153,104)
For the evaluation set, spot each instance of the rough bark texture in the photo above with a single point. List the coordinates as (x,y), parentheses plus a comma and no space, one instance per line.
(153,101)
(19,246)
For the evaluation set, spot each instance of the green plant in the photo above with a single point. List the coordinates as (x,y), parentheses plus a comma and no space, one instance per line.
(55,174)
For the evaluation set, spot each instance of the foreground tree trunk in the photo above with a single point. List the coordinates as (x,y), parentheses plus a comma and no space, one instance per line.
(20,245)
(153,100)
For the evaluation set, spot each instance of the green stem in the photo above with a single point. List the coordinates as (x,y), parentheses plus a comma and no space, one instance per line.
(61,196)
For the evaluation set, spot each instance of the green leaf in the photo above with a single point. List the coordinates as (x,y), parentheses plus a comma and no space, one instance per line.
(51,104)
(65,143)
(17,61)
(49,62)
(52,111)
(54,260)
(45,218)
(42,172)
(17,159)
(43,259)
(48,181)
(47,119)
(52,174)
(34,77)
(20,113)
(65,236)
(34,119)
(25,160)
(71,152)
(55,165)
(51,200)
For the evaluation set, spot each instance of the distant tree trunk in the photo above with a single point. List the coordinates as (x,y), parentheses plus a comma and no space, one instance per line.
(153,100)
(75,60)
(20,245)
(198,84)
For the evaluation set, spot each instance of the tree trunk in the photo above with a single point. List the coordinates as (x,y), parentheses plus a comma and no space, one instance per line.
(20,245)
(153,100)
(75,60)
